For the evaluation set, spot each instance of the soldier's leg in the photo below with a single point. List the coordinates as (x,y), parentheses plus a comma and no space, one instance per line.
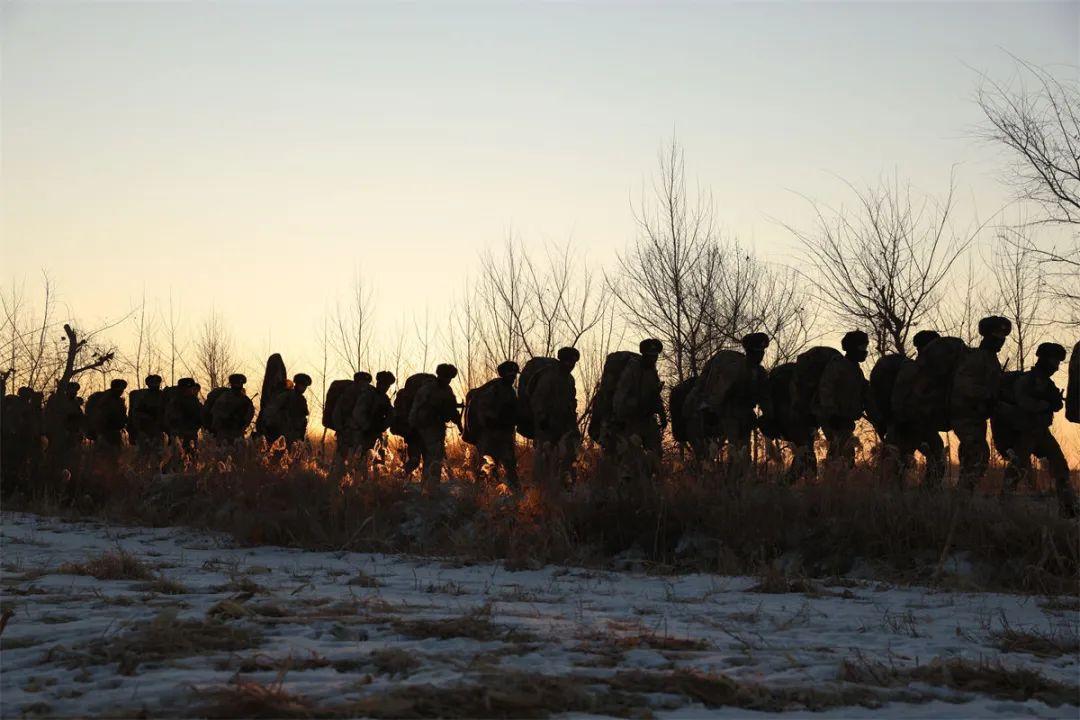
(413,452)
(933,449)
(973,449)
(841,439)
(1048,448)
(434,452)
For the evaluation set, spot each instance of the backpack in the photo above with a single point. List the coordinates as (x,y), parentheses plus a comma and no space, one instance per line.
(208,406)
(774,422)
(807,376)
(275,379)
(1007,421)
(403,402)
(602,403)
(94,420)
(1072,394)
(334,393)
(526,382)
(472,420)
(676,400)
(882,381)
(931,388)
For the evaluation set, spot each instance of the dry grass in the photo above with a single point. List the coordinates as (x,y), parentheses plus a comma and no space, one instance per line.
(164,586)
(980,677)
(475,625)
(1042,644)
(110,565)
(247,699)
(687,519)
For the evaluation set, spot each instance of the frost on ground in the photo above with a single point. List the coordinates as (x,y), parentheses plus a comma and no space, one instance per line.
(118,621)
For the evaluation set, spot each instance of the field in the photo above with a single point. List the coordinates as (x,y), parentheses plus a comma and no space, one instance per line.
(116,621)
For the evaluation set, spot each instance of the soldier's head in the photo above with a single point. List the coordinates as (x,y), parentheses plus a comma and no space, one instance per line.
(362,378)
(118,386)
(384,379)
(508,371)
(24,393)
(650,350)
(754,346)
(445,372)
(236,381)
(302,381)
(856,345)
(568,357)
(72,389)
(994,330)
(188,386)
(1050,356)
(153,382)
(924,338)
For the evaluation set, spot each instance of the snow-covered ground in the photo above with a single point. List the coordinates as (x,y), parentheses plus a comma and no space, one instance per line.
(392,635)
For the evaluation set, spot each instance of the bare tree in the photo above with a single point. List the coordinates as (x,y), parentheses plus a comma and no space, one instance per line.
(214,350)
(1020,285)
(352,325)
(665,279)
(1036,118)
(883,266)
(172,331)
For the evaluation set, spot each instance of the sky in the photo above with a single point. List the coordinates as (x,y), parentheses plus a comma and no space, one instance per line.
(256,156)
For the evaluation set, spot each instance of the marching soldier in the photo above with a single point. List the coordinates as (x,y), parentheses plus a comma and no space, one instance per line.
(232,411)
(553,409)
(974,394)
(841,397)
(434,406)
(491,420)
(370,416)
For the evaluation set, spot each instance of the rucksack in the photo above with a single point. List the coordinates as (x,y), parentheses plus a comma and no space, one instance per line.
(94,420)
(602,403)
(526,382)
(928,398)
(472,421)
(774,422)
(882,381)
(275,380)
(1072,393)
(676,400)
(334,393)
(403,402)
(804,383)
(208,406)
(1007,420)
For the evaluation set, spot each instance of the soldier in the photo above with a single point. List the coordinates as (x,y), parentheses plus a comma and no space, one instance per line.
(183,414)
(434,406)
(13,441)
(841,397)
(721,405)
(146,417)
(347,433)
(901,436)
(64,425)
(111,417)
(491,419)
(1036,399)
(553,410)
(232,411)
(975,388)
(288,411)
(371,414)
(637,409)
(1072,396)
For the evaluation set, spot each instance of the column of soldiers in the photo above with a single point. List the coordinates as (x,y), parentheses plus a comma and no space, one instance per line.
(948,386)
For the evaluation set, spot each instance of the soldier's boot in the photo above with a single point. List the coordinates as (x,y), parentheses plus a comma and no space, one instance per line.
(974,452)
(1059,471)
(413,454)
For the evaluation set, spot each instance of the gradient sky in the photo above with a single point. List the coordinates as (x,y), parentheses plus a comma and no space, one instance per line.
(254,155)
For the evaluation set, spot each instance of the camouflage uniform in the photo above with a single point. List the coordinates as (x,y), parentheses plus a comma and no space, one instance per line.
(231,414)
(434,406)
(974,394)
(183,414)
(494,416)
(146,417)
(1036,399)
(841,398)
(637,409)
(370,416)
(553,406)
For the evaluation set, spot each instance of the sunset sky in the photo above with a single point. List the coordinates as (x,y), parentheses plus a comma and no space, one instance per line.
(255,156)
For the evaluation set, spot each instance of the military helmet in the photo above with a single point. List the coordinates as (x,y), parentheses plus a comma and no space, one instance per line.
(185,382)
(385,376)
(755,341)
(507,368)
(924,337)
(304,379)
(25,392)
(153,380)
(446,370)
(855,339)
(72,385)
(651,346)
(995,325)
(1051,351)
(362,377)
(237,379)
(118,384)
(568,354)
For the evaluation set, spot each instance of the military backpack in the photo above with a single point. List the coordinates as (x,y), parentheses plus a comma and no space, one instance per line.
(403,402)
(527,380)
(334,393)
(604,400)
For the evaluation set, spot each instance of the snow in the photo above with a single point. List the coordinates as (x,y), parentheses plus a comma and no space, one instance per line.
(554,621)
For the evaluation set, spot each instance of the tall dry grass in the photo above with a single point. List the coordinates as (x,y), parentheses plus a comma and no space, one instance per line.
(686,518)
